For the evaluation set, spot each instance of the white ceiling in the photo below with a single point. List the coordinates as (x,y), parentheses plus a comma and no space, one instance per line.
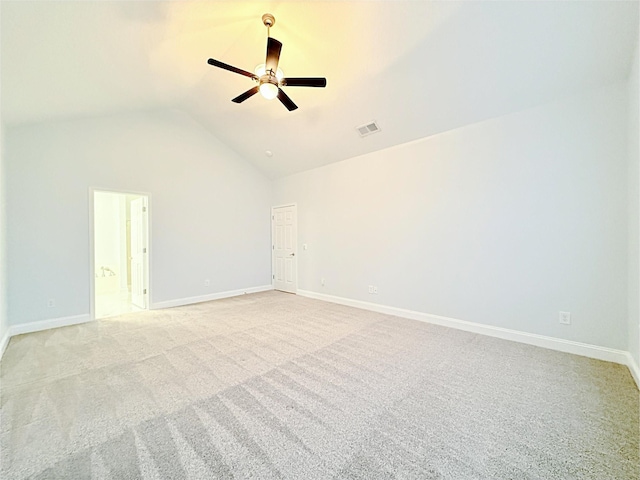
(417,67)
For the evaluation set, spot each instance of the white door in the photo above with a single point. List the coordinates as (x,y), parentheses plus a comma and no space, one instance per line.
(283,237)
(139,260)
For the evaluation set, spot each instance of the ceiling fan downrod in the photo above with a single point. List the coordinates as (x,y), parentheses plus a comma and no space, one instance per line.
(269,21)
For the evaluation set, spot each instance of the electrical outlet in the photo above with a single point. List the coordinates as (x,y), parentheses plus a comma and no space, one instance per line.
(207,283)
(322,281)
(375,290)
(370,288)
(565,318)
(51,303)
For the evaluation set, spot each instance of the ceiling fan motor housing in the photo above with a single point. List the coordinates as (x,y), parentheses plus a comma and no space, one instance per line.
(269,77)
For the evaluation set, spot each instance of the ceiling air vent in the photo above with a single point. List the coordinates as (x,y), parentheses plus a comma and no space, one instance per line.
(368,129)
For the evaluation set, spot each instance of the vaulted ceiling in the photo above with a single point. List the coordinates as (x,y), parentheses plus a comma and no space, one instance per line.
(416,67)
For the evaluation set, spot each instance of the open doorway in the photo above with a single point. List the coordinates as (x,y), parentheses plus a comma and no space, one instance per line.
(120,253)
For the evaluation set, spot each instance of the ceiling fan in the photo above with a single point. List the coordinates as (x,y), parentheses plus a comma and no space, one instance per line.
(268,76)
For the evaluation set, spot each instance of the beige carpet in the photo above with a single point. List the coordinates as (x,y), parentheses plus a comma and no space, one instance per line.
(272,385)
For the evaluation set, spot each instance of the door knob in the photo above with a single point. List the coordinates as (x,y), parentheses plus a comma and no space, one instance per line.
(292,255)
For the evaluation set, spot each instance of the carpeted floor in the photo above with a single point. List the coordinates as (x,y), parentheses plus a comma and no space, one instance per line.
(273,385)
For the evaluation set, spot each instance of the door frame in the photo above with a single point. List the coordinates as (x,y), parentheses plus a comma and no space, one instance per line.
(92,244)
(273,263)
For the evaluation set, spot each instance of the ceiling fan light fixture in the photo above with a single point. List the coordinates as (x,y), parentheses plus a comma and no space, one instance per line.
(268,76)
(268,90)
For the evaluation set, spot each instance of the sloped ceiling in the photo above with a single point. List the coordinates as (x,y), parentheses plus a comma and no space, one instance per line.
(417,67)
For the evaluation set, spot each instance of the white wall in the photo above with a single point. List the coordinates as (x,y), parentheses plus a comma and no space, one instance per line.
(503,223)
(634,212)
(209,209)
(108,235)
(110,242)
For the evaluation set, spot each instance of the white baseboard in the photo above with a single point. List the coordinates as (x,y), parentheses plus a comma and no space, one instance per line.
(206,298)
(47,324)
(4,341)
(30,327)
(634,369)
(568,346)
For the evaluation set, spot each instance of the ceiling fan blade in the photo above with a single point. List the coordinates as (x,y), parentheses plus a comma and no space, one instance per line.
(273,54)
(304,82)
(286,101)
(249,93)
(216,63)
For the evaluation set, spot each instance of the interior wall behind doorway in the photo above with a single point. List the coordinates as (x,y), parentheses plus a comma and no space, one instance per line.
(112,253)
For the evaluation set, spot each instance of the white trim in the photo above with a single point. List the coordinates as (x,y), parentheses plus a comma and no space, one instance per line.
(568,346)
(47,324)
(634,369)
(5,341)
(92,253)
(206,298)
